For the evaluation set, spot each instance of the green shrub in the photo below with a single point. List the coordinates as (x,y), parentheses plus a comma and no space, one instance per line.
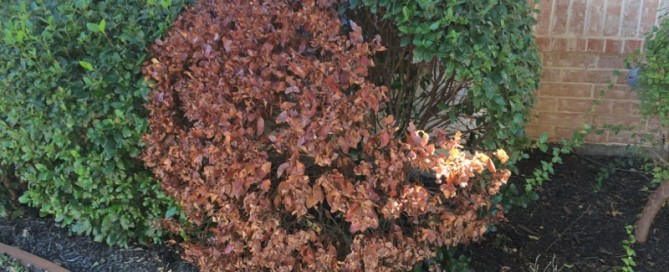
(653,89)
(71,114)
(462,65)
(654,74)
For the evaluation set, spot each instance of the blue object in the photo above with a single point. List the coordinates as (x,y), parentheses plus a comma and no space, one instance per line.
(633,77)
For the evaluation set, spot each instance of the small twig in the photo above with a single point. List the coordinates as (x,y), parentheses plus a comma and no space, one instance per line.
(567,228)
(528,230)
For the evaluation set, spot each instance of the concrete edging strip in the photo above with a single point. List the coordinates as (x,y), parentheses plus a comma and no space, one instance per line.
(29,259)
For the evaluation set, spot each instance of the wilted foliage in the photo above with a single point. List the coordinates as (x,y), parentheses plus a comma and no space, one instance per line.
(261,128)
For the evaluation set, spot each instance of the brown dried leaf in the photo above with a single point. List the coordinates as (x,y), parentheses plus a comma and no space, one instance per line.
(281,169)
(260,126)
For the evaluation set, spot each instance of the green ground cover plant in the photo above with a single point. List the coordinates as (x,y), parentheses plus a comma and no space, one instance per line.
(9,264)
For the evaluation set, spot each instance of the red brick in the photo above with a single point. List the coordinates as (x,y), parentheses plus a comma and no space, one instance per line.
(630,22)
(617,92)
(612,18)
(566,90)
(561,118)
(594,138)
(544,43)
(534,131)
(631,46)
(569,60)
(560,17)
(588,105)
(604,106)
(630,108)
(596,45)
(614,46)
(577,18)
(568,132)
(564,132)
(582,106)
(550,75)
(570,44)
(611,61)
(589,76)
(621,80)
(546,104)
(533,116)
(653,124)
(648,16)
(544,17)
(610,119)
(595,19)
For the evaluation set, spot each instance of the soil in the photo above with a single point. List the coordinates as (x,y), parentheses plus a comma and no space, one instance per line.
(41,237)
(569,227)
(574,228)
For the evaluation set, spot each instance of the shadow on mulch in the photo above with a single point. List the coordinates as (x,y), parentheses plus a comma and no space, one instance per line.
(579,228)
(41,237)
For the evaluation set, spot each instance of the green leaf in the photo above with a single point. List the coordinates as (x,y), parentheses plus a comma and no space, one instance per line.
(40,167)
(102,25)
(86,65)
(93,27)
(24,199)
(435,25)
(543,138)
(165,3)
(543,147)
(405,40)
(171,212)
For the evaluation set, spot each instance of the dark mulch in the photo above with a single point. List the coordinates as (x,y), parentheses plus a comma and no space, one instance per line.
(570,223)
(577,227)
(41,237)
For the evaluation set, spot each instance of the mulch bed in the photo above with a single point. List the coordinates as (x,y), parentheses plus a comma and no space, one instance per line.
(41,237)
(569,225)
(572,225)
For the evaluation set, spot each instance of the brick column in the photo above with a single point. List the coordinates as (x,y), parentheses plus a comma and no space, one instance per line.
(582,42)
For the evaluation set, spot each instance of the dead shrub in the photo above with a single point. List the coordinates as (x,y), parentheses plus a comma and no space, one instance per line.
(263,128)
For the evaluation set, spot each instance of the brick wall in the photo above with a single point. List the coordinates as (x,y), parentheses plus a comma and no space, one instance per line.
(581,43)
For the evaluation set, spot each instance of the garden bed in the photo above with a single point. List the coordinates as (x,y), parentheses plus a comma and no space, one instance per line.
(41,237)
(570,226)
(573,226)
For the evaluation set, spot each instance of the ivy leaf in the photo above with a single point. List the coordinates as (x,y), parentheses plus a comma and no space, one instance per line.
(165,3)
(171,212)
(435,25)
(93,27)
(86,65)
(102,25)
(543,138)
(405,40)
